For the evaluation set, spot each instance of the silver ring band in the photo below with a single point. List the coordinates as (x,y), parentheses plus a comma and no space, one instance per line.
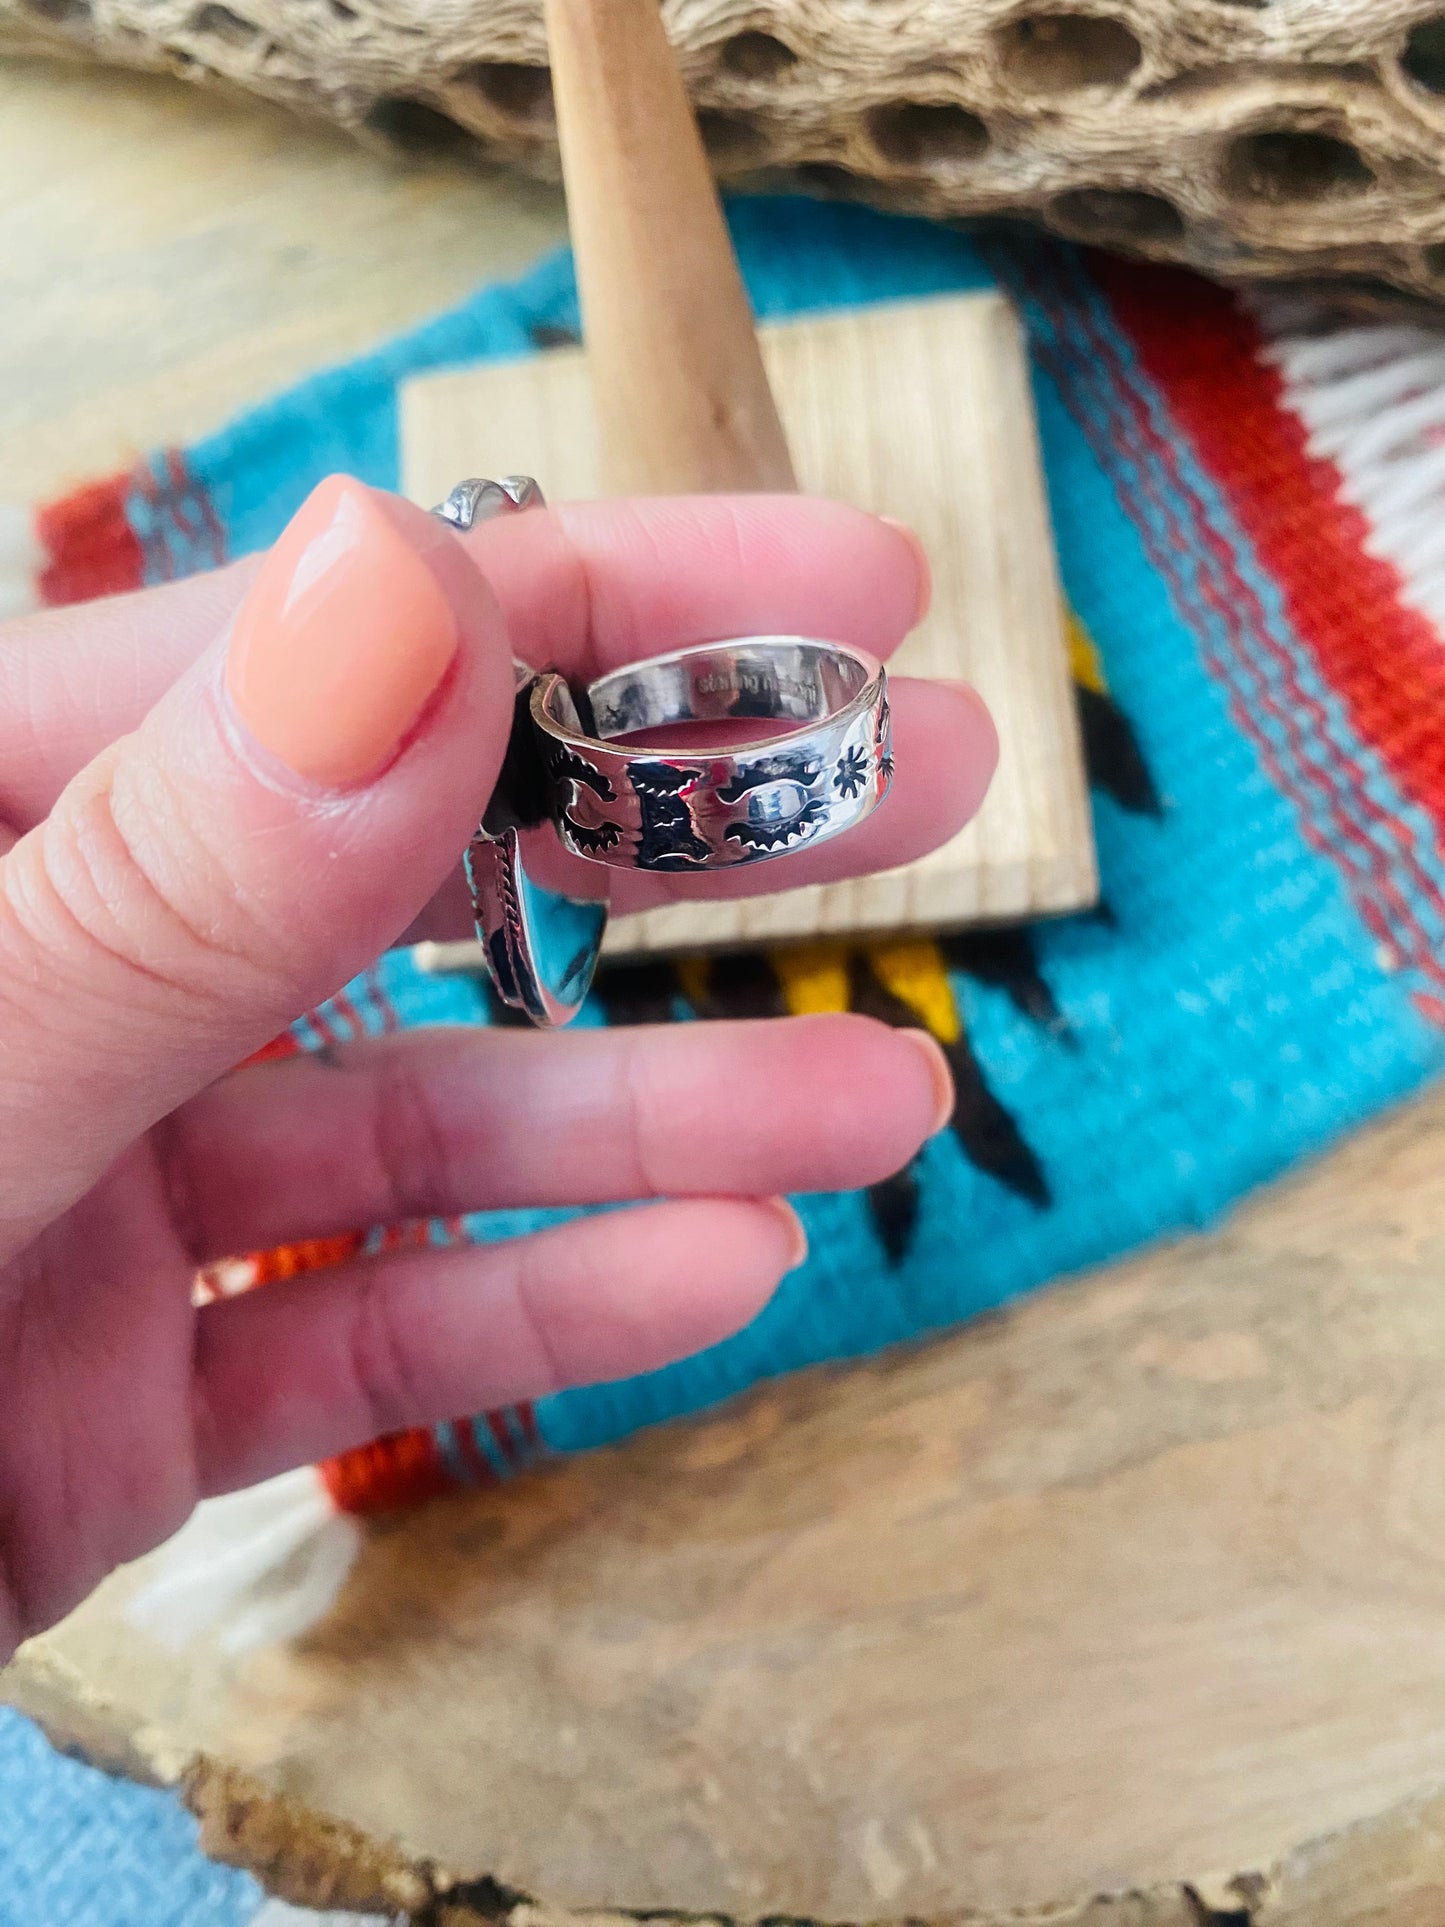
(689,809)
(480,500)
(627,806)
(541,946)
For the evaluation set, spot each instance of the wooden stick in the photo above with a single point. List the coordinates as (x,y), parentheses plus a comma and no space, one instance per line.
(683,404)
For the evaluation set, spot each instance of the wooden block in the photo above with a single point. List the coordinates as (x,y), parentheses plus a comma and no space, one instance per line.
(921,410)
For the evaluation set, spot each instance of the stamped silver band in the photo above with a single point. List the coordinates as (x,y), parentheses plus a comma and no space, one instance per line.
(627,806)
(685,809)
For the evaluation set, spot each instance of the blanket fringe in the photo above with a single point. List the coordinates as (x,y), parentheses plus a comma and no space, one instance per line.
(21,560)
(1372,401)
(251,1569)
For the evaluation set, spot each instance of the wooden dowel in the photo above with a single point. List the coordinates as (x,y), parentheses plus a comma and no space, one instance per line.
(683,404)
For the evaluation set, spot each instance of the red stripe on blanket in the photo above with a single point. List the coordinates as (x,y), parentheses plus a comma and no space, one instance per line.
(496,1423)
(376,990)
(1339,815)
(307,1254)
(283,1046)
(90,546)
(1321,773)
(391,1473)
(343,1008)
(527,1419)
(1383,658)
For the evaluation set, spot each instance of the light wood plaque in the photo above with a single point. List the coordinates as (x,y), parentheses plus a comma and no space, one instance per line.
(919,410)
(1136,1590)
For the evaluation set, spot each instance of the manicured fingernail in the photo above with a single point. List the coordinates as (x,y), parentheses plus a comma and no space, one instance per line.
(944,1096)
(797,1236)
(343,638)
(985,729)
(920,562)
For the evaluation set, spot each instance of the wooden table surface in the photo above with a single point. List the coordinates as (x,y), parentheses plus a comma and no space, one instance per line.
(169,256)
(1138,1589)
(1143,1579)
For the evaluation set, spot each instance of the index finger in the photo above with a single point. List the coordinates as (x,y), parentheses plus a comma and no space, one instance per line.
(583,586)
(589,585)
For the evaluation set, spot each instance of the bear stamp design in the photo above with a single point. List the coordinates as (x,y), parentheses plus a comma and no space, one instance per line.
(578,788)
(667,838)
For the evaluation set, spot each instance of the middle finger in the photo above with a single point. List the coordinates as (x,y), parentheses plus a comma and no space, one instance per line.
(945,750)
(444,1121)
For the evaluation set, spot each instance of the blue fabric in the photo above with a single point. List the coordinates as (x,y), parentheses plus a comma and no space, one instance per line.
(78,1849)
(1229,1014)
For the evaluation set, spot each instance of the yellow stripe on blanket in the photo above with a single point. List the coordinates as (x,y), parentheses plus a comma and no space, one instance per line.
(814,977)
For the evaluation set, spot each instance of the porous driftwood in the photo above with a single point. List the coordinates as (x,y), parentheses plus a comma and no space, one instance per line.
(1137,1590)
(1300,138)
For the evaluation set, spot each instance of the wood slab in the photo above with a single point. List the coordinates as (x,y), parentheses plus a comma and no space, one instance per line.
(1140,1584)
(921,410)
(168,257)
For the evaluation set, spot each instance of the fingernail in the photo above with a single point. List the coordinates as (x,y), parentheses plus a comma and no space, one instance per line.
(797,1236)
(941,1077)
(986,729)
(921,564)
(342,640)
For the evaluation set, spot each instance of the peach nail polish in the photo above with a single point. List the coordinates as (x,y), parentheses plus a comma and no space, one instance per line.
(344,636)
(940,1076)
(797,1236)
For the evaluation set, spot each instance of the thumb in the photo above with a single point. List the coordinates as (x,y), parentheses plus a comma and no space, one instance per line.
(274,823)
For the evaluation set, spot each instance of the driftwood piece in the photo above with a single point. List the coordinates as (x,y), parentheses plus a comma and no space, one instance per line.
(1136,1589)
(920,410)
(1285,139)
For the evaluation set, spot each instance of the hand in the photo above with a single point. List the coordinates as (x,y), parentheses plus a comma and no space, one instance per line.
(222,799)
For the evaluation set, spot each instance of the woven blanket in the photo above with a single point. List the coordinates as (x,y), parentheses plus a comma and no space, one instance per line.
(1254,561)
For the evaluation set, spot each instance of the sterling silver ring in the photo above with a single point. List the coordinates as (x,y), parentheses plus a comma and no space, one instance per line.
(688,808)
(626,806)
(541,946)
